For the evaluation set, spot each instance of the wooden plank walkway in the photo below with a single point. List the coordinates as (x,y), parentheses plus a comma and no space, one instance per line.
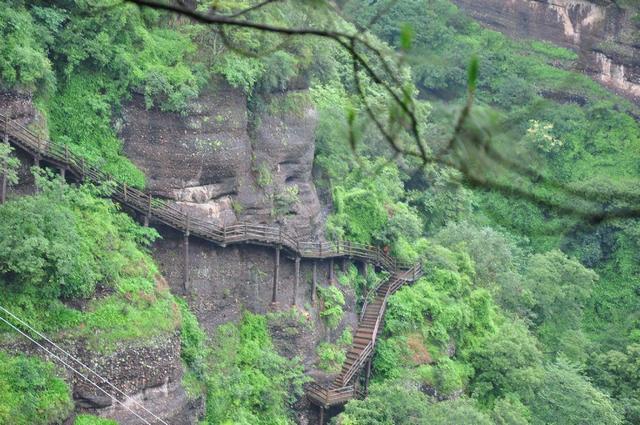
(157,210)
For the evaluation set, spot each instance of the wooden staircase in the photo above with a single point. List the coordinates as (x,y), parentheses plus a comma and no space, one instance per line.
(342,388)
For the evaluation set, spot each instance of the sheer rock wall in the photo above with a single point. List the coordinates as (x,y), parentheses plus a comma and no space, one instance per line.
(222,166)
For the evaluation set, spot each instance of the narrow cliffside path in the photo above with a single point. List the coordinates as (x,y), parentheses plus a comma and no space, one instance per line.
(157,211)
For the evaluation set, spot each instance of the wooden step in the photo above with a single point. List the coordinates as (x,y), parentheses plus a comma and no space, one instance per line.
(352,355)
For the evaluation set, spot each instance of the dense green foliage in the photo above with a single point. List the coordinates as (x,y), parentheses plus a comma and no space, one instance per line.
(510,313)
(248,382)
(527,311)
(525,315)
(31,393)
(93,420)
(332,300)
(64,243)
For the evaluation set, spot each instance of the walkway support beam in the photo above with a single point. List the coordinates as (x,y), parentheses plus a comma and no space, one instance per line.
(314,282)
(3,193)
(367,377)
(296,282)
(276,275)
(186,255)
(331,277)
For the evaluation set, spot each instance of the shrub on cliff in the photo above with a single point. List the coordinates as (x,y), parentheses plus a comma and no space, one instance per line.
(64,243)
(31,393)
(248,382)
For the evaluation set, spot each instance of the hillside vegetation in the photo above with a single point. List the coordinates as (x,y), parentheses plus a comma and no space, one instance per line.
(526,315)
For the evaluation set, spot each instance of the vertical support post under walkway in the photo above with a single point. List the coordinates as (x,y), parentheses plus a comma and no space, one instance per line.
(314,281)
(321,415)
(367,377)
(3,194)
(331,271)
(296,282)
(186,256)
(276,275)
(36,158)
(146,217)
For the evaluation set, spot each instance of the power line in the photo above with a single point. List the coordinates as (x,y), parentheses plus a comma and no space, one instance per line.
(73,369)
(24,323)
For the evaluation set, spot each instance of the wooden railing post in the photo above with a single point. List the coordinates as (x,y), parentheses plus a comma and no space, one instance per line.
(125,191)
(82,171)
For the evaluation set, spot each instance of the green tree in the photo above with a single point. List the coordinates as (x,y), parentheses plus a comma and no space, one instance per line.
(506,362)
(394,403)
(561,288)
(567,397)
(248,382)
(401,403)
(23,59)
(619,373)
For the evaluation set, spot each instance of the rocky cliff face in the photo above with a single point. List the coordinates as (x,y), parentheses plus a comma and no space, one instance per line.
(222,166)
(224,282)
(606,36)
(150,374)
